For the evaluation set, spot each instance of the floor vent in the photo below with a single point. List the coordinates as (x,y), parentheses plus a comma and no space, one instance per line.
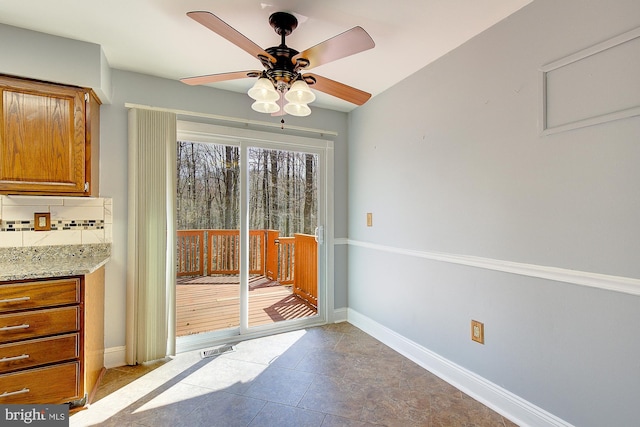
(216,351)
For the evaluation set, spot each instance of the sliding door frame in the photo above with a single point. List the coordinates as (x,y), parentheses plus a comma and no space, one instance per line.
(245,138)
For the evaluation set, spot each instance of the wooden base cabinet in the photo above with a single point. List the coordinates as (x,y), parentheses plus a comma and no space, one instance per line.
(51,339)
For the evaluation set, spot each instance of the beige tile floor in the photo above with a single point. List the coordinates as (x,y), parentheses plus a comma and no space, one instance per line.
(334,375)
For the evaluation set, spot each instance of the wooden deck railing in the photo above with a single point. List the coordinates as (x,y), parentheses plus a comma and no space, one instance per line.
(305,274)
(287,260)
(224,251)
(190,259)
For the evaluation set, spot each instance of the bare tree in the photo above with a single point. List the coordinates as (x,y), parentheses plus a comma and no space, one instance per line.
(231,187)
(308,194)
(282,190)
(274,217)
(289,184)
(265,191)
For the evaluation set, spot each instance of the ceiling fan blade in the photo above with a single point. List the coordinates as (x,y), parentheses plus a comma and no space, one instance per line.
(339,90)
(223,29)
(214,78)
(345,44)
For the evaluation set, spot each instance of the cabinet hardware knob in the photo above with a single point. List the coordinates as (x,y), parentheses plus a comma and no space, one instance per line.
(12,358)
(12,393)
(11,328)
(6,301)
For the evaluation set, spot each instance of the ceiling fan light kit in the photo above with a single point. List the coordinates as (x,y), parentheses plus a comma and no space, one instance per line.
(299,93)
(299,110)
(265,94)
(263,91)
(282,75)
(265,107)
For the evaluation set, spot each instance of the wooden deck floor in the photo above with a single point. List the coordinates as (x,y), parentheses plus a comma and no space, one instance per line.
(211,303)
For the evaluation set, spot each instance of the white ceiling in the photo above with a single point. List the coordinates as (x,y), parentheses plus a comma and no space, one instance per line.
(156,37)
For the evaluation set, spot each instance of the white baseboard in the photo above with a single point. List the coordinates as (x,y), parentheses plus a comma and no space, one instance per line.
(340,315)
(495,397)
(114,357)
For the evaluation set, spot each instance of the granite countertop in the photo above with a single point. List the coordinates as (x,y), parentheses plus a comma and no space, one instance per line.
(37,262)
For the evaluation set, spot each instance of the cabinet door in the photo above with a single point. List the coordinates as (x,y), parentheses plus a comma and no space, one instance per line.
(42,138)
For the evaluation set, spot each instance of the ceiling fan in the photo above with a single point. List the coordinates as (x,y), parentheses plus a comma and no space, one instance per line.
(282,78)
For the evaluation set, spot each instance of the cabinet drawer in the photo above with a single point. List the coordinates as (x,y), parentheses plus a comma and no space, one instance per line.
(39,323)
(52,384)
(37,352)
(46,293)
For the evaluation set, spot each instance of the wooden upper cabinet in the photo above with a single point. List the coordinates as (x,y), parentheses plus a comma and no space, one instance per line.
(46,140)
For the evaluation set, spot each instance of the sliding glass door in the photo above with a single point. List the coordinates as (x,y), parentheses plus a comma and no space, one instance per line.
(208,237)
(283,203)
(251,256)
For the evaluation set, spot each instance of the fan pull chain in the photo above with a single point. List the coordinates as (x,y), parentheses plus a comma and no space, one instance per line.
(282,124)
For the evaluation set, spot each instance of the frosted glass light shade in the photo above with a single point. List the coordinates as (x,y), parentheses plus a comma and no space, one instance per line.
(263,91)
(265,107)
(299,93)
(299,110)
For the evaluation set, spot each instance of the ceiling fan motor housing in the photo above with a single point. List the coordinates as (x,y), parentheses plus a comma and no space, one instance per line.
(283,23)
(283,72)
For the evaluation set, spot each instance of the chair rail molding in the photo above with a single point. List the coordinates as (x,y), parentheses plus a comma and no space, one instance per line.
(625,285)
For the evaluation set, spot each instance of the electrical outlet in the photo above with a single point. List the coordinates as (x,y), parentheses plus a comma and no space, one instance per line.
(42,221)
(477,331)
(369,219)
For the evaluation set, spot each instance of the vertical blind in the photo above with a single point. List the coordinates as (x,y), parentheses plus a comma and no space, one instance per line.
(151,236)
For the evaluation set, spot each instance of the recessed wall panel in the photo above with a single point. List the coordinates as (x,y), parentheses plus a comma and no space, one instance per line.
(595,85)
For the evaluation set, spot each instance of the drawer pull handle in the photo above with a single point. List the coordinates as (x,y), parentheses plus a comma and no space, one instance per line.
(12,358)
(6,301)
(13,393)
(11,328)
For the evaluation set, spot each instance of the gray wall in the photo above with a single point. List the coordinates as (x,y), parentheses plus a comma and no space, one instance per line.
(40,56)
(451,161)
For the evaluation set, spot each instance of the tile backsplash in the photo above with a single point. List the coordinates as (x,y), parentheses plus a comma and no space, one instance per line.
(74,220)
